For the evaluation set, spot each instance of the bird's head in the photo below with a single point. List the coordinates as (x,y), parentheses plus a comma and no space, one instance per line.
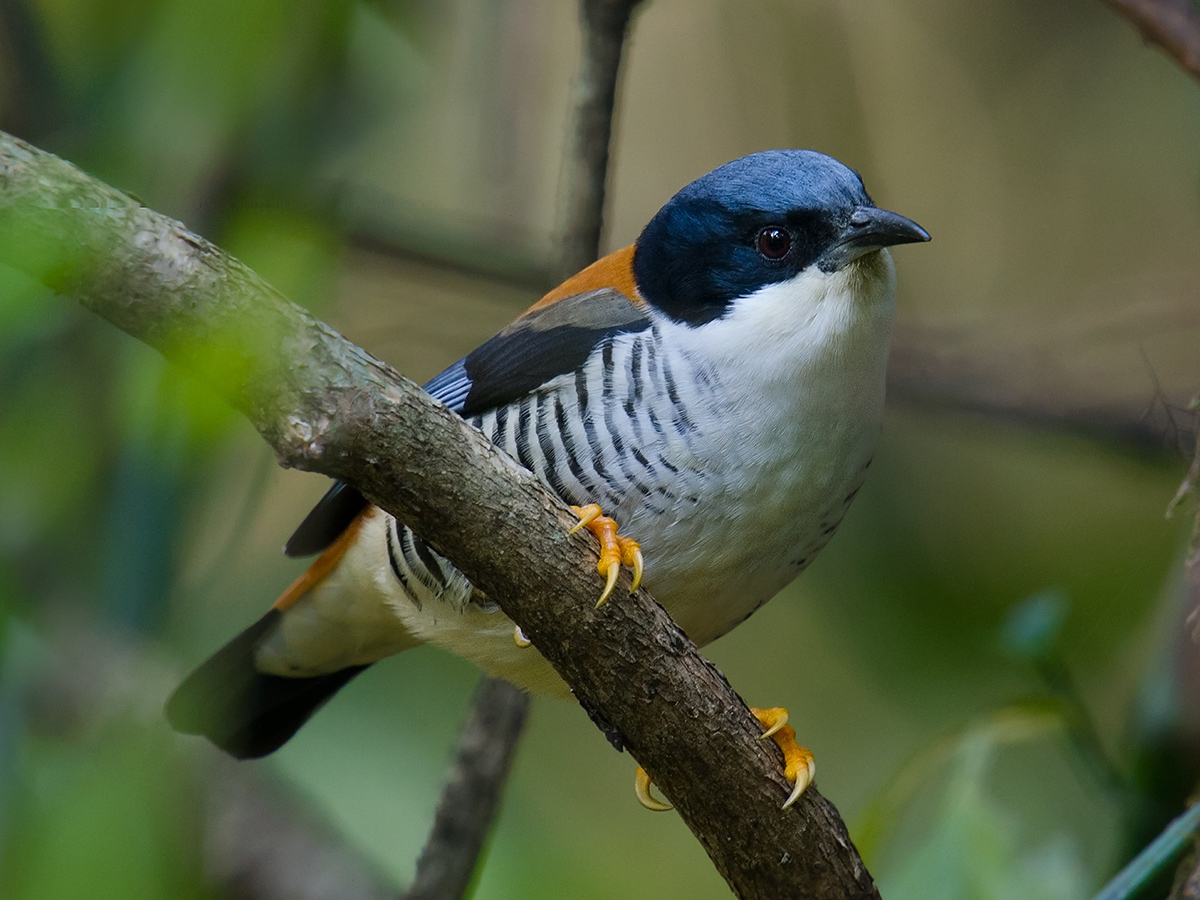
(758,221)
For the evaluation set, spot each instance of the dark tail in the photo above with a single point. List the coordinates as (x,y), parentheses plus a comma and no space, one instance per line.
(244,712)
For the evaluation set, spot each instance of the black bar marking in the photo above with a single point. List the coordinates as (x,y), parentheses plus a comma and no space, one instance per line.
(501,426)
(400,576)
(524,457)
(430,561)
(546,443)
(564,432)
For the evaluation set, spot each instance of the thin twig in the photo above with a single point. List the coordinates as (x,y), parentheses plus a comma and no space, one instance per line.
(603,24)
(1050,373)
(1174,25)
(1190,487)
(472,793)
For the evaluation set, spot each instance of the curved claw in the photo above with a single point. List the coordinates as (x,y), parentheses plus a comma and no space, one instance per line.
(519,638)
(799,766)
(641,787)
(801,779)
(587,514)
(614,570)
(615,550)
(631,555)
(778,717)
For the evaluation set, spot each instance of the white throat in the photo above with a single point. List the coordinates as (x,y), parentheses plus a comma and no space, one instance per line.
(815,332)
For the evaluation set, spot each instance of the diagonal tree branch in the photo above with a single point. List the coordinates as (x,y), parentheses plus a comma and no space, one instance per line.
(327,406)
(497,715)
(1174,25)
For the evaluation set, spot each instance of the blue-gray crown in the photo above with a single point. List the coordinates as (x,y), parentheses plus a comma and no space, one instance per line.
(756,221)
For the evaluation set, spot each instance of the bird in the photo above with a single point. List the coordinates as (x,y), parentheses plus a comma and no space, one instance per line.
(707,399)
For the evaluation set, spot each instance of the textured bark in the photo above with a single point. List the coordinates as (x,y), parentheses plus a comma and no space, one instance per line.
(1174,25)
(327,406)
(496,719)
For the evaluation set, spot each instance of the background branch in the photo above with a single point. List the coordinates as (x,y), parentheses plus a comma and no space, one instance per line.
(603,26)
(472,793)
(327,406)
(1187,877)
(1174,25)
(1079,373)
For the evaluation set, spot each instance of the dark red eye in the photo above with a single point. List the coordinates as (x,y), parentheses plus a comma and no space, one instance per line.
(774,242)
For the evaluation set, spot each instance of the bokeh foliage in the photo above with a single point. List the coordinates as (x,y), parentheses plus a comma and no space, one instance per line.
(985,660)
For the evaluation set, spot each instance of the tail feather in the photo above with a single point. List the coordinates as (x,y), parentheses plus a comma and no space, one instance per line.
(246,713)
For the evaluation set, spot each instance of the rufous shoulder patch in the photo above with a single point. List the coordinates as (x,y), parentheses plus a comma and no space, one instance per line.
(614,271)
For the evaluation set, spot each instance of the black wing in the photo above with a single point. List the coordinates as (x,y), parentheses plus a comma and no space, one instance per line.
(330,517)
(549,341)
(541,345)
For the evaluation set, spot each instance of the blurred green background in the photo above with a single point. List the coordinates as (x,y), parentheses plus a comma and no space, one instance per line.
(989,661)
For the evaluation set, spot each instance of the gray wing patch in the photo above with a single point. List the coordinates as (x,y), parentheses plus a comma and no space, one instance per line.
(544,344)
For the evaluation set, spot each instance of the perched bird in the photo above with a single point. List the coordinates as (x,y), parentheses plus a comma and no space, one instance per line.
(716,388)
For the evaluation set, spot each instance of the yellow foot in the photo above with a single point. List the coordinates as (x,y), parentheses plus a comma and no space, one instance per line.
(799,767)
(615,550)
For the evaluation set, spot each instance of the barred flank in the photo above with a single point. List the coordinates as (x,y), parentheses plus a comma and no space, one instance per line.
(603,436)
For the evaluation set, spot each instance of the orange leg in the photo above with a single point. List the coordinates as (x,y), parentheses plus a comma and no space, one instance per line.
(799,767)
(615,550)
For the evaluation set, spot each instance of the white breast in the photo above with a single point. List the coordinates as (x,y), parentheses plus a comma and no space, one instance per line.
(797,383)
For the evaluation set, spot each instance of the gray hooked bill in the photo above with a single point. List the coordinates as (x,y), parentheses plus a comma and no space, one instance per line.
(870,228)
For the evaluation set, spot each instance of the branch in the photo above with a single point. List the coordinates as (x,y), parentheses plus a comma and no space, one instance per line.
(603,25)
(1172,24)
(1081,373)
(327,406)
(261,843)
(485,752)
(497,716)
